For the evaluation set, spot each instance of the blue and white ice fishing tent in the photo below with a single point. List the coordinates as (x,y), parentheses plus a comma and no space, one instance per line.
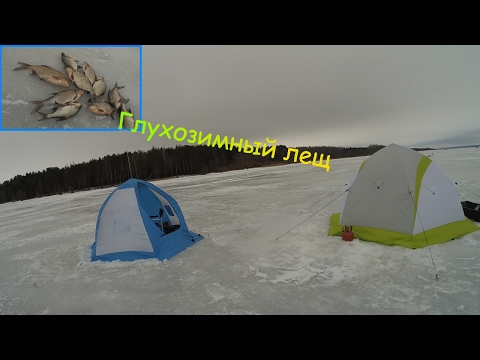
(140,221)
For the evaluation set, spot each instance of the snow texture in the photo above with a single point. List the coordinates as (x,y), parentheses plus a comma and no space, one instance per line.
(266,251)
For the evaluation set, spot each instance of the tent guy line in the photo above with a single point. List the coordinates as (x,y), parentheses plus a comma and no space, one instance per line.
(324,198)
(426,240)
(313,213)
(410,201)
(468,190)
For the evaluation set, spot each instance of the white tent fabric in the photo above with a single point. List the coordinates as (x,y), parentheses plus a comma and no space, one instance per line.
(128,230)
(138,220)
(399,196)
(383,194)
(439,198)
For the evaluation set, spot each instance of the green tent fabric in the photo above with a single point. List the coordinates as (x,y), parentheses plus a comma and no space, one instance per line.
(400,197)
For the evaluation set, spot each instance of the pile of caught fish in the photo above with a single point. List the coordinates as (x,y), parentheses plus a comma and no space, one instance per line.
(84,78)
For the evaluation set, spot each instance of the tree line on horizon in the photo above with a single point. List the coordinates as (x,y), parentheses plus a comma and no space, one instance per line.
(154,164)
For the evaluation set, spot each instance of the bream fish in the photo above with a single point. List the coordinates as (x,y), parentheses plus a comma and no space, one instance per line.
(69,61)
(128,121)
(61,98)
(46,73)
(89,72)
(115,98)
(81,81)
(99,86)
(63,112)
(101,108)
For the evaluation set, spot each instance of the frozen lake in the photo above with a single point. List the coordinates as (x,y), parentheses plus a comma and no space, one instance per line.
(240,267)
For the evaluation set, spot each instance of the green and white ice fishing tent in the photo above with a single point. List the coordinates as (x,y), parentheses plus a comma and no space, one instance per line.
(400,197)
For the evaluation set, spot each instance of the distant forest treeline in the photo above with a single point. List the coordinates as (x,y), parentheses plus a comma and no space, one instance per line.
(157,163)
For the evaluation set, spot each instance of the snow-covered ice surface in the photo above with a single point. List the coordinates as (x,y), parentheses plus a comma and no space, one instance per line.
(240,267)
(119,65)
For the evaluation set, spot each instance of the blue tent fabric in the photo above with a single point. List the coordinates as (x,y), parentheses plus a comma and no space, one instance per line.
(128,227)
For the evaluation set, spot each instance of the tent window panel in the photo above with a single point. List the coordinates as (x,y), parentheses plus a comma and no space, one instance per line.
(121,225)
(169,210)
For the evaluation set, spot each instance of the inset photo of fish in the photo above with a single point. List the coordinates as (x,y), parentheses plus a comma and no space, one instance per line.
(70,87)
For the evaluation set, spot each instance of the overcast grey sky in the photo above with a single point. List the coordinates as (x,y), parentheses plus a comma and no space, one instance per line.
(299,95)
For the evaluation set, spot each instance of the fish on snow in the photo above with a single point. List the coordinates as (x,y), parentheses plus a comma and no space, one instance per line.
(63,112)
(46,73)
(61,98)
(81,81)
(99,86)
(101,108)
(69,61)
(89,72)
(115,98)
(128,121)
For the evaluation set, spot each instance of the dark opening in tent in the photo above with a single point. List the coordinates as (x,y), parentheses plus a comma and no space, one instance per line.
(140,221)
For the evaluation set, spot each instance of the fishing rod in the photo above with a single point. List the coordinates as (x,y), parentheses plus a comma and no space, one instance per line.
(310,216)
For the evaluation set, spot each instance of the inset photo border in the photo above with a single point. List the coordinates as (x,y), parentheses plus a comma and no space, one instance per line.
(41,89)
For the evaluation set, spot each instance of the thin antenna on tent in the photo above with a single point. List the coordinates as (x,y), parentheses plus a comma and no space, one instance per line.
(309,216)
(129,167)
